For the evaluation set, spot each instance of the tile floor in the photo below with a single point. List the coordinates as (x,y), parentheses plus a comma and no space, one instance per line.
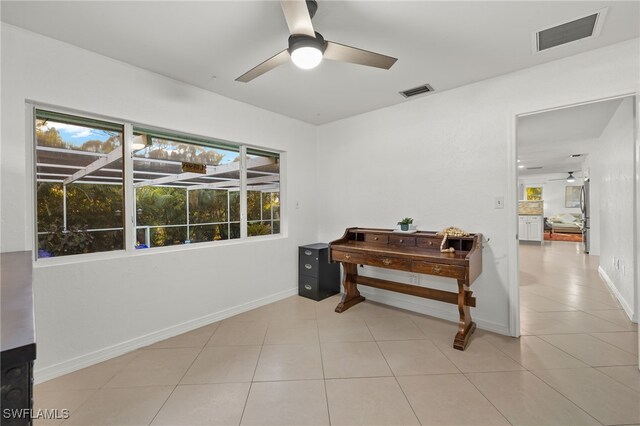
(297,362)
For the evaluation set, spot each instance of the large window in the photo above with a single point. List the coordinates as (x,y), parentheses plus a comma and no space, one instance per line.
(184,190)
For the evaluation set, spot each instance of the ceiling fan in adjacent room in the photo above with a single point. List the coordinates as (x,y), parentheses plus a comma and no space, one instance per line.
(307,47)
(569,179)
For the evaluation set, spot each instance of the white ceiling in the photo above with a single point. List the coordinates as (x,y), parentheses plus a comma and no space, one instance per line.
(548,139)
(446,44)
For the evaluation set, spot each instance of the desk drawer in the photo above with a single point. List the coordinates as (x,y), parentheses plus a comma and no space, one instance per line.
(343,256)
(451,271)
(429,242)
(402,241)
(388,262)
(376,238)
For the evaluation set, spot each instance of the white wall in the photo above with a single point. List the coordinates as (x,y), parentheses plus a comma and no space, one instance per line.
(615,175)
(92,309)
(444,157)
(553,191)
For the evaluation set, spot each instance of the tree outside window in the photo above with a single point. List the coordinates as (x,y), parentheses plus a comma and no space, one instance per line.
(533,193)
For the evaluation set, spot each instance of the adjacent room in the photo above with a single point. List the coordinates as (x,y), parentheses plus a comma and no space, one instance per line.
(320,212)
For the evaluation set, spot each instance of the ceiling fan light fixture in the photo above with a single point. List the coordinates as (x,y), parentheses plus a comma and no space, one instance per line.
(306,57)
(306,52)
(570,178)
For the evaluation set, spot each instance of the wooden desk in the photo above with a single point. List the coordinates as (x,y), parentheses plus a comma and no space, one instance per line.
(417,252)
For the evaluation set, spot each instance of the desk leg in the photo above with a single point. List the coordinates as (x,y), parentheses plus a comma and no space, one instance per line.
(465,327)
(351,294)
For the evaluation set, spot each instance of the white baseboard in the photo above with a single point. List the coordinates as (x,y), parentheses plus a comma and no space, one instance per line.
(390,299)
(627,309)
(69,366)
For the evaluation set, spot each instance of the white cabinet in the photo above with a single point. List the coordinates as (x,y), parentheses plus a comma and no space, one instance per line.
(531,228)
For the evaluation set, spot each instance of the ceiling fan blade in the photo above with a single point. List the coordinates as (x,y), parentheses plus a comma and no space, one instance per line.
(344,53)
(267,65)
(297,16)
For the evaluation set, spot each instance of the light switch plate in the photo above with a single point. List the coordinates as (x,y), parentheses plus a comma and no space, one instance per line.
(498,203)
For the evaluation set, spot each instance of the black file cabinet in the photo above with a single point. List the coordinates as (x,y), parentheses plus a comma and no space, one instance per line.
(317,278)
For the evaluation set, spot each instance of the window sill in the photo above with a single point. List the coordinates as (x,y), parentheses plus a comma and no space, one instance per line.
(121,254)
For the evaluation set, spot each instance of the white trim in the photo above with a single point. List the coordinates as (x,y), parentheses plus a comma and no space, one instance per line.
(284,206)
(32,182)
(243,193)
(636,181)
(69,366)
(388,298)
(627,309)
(511,205)
(129,192)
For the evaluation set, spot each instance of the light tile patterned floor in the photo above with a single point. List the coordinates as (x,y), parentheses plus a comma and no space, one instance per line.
(297,362)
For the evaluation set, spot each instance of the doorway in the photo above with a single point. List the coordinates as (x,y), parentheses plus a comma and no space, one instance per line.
(577,203)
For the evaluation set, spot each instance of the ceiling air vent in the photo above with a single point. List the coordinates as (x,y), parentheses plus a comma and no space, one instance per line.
(578,29)
(425,88)
(534,168)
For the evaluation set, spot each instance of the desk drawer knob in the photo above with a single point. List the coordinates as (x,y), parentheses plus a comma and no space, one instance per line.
(437,269)
(347,256)
(430,243)
(307,287)
(306,265)
(375,238)
(386,262)
(307,252)
(401,241)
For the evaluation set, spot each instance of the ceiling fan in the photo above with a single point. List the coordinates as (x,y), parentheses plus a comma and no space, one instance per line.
(569,179)
(307,48)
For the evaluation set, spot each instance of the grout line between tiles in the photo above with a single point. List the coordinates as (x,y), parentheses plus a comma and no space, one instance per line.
(244,407)
(324,377)
(393,373)
(182,377)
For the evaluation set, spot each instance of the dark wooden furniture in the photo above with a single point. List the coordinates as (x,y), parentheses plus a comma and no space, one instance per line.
(317,278)
(417,252)
(18,338)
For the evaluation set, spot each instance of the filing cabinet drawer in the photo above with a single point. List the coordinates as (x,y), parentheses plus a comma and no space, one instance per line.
(308,264)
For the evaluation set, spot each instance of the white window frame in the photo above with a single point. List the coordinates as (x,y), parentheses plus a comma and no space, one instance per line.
(129,195)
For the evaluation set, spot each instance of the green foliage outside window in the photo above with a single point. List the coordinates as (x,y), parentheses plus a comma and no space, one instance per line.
(534,193)
(95,211)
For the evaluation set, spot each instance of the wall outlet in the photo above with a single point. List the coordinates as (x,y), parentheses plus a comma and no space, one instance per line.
(414,279)
(498,202)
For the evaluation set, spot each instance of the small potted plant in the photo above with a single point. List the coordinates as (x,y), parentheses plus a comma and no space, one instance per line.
(404,223)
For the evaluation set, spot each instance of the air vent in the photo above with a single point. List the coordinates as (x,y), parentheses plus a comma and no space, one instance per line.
(425,88)
(534,168)
(575,155)
(578,29)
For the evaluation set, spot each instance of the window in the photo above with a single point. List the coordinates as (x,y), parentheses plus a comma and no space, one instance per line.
(263,193)
(78,185)
(185,189)
(533,193)
(177,206)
